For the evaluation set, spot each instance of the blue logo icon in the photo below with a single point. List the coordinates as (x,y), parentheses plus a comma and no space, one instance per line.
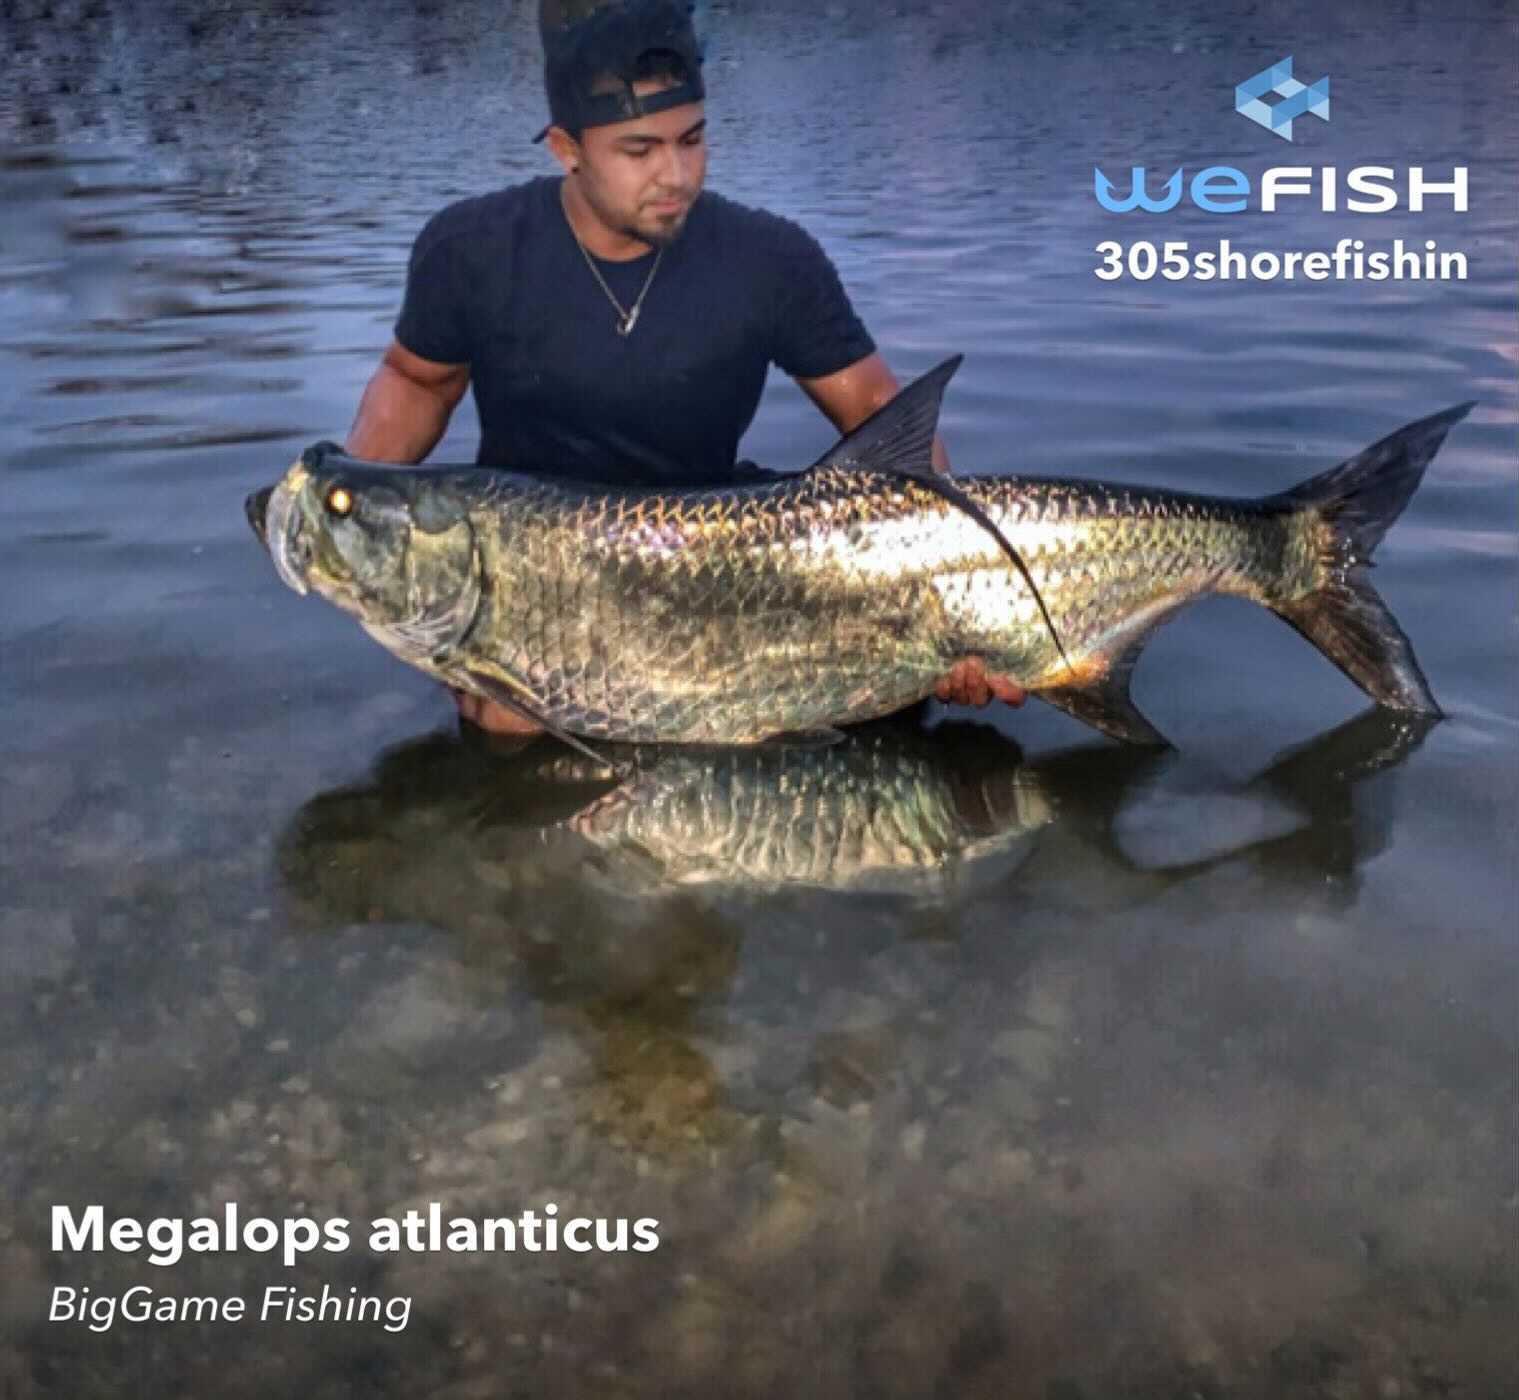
(1297,100)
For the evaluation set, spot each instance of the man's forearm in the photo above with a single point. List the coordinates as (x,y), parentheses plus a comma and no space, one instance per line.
(398,420)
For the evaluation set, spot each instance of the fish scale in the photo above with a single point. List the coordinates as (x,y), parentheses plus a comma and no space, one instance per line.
(645,625)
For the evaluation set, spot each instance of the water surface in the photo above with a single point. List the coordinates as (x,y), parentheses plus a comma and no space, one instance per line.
(991,1060)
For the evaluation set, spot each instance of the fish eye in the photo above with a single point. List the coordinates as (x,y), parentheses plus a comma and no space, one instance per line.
(339,502)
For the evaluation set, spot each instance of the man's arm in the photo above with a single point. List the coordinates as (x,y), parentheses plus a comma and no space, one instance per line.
(406,407)
(850,396)
(404,411)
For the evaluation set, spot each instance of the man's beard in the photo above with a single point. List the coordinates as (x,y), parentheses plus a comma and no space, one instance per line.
(658,234)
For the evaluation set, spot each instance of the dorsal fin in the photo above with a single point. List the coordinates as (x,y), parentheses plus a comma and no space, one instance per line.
(898,440)
(899,436)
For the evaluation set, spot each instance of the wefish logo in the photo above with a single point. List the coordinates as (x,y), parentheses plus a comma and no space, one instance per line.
(1298,99)
(1226,189)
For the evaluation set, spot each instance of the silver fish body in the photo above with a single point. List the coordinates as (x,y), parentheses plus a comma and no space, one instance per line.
(834,596)
(827,599)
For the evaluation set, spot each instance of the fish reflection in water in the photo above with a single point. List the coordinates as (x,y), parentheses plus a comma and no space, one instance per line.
(626,903)
(1308,811)
(893,809)
(890,811)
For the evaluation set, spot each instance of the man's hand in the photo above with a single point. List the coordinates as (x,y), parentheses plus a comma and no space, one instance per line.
(970,683)
(491,717)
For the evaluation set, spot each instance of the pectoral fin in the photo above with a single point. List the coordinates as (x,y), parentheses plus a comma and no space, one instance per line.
(520,700)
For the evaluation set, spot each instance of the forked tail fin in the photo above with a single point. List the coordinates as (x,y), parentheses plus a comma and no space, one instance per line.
(1349,509)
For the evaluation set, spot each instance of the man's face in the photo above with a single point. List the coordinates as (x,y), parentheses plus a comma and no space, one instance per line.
(641,177)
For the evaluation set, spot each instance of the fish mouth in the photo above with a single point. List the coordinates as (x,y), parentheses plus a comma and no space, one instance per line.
(279,526)
(257,510)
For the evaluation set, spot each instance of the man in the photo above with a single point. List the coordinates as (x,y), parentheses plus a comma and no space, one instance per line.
(617,323)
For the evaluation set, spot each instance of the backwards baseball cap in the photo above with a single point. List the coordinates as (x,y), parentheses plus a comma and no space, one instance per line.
(591,58)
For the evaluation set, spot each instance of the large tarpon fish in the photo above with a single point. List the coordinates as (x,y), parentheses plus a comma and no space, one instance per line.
(835,595)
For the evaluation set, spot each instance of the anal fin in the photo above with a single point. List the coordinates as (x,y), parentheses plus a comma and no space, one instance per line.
(1105,702)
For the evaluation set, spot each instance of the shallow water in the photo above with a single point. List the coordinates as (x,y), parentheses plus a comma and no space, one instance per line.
(986,1061)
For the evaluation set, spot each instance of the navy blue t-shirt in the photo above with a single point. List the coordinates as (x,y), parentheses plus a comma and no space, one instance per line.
(498,282)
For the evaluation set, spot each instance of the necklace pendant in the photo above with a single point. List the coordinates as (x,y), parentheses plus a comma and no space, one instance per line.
(625,326)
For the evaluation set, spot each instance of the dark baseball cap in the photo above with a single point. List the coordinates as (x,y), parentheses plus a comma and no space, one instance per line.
(591,60)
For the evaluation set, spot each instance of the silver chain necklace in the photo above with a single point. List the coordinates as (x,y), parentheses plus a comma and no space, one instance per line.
(627,317)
